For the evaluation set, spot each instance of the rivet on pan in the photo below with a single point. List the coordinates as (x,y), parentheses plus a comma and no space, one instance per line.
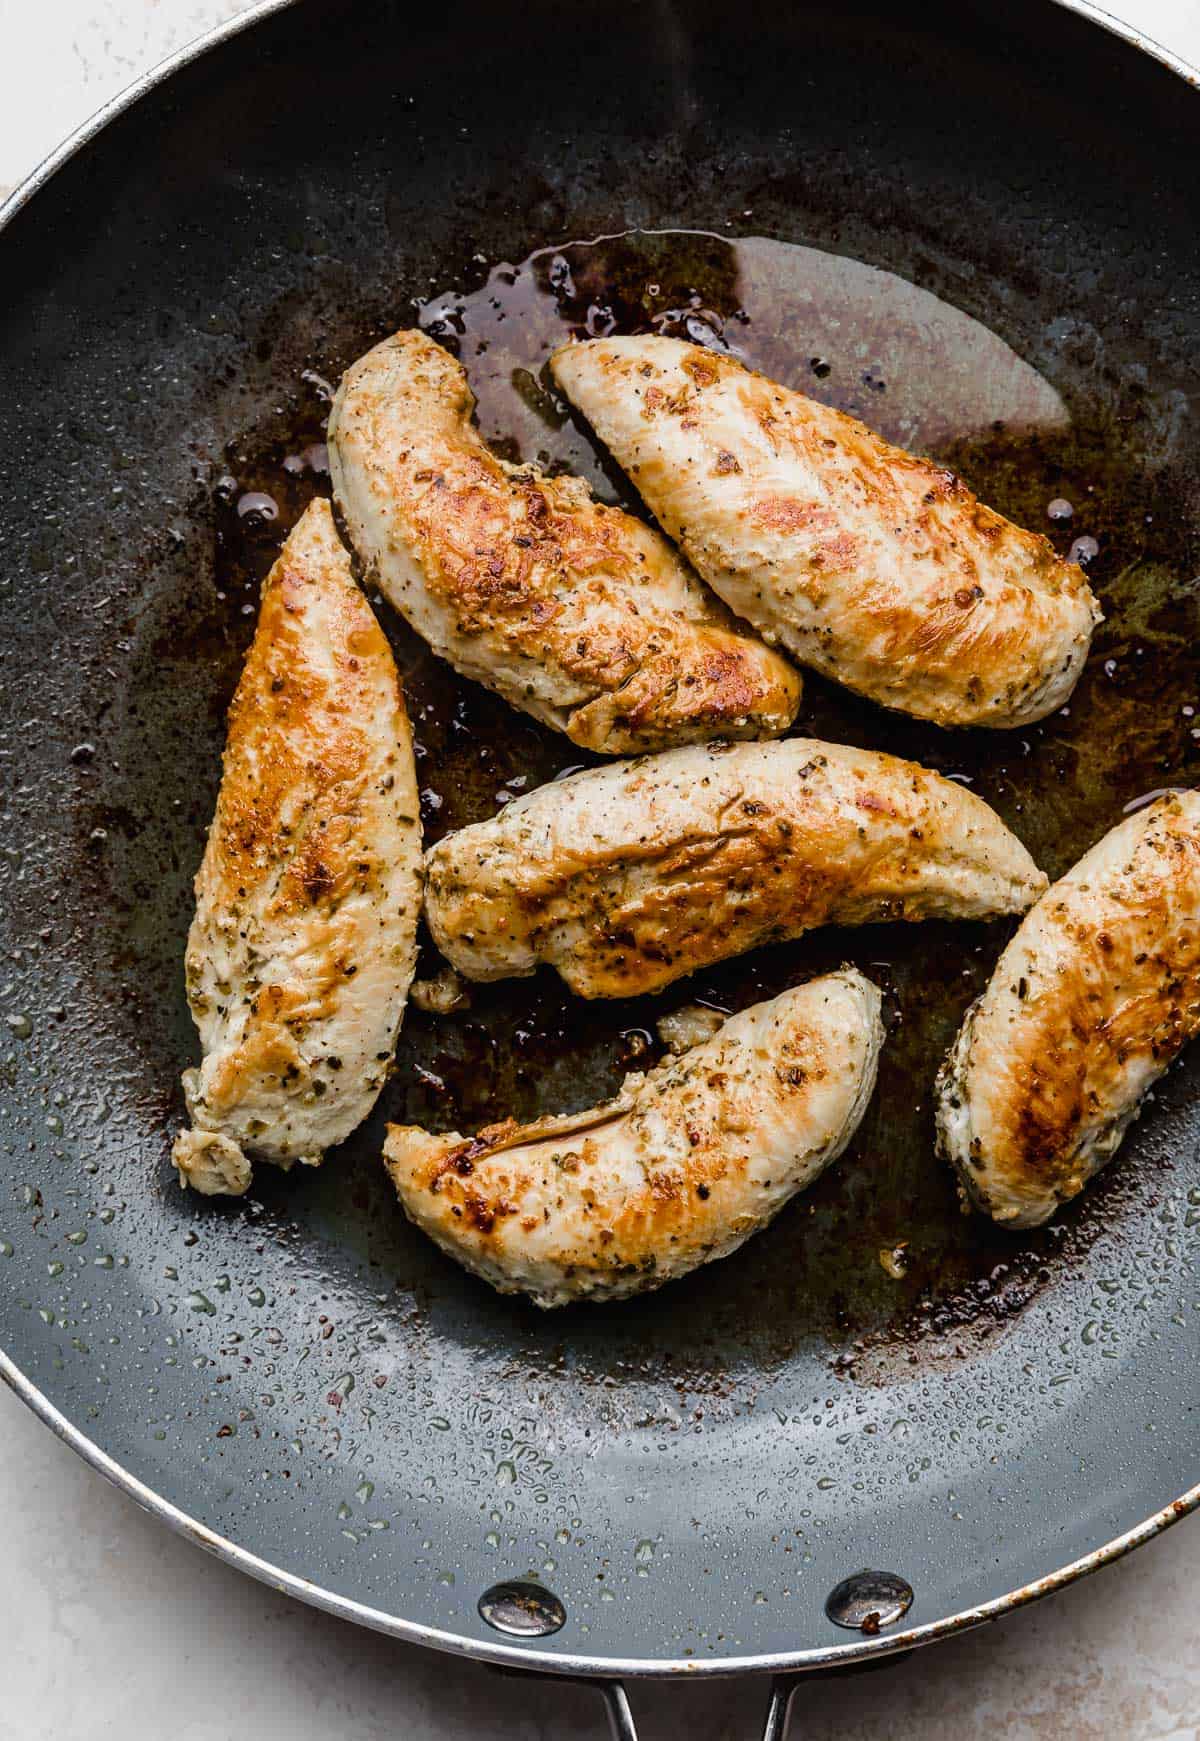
(868,1601)
(527,1610)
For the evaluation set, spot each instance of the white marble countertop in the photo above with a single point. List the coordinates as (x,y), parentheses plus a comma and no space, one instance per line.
(117,1629)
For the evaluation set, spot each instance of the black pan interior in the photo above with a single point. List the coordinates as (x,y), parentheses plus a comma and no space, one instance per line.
(981,233)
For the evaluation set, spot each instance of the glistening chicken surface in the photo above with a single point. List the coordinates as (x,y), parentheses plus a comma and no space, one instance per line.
(681,1168)
(1094,997)
(303,943)
(626,877)
(877,568)
(573,611)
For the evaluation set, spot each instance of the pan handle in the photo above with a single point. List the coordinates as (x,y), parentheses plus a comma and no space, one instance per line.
(778,1720)
(621,1725)
(779,1707)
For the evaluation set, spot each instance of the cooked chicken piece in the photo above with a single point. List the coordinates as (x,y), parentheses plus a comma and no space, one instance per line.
(1096,994)
(626,877)
(442,995)
(876,568)
(575,612)
(682,1167)
(688,1026)
(304,939)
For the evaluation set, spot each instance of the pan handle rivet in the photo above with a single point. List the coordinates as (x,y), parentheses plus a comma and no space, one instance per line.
(868,1601)
(524,1609)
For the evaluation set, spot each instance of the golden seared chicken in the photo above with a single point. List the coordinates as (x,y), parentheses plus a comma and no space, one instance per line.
(625,877)
(304,939)
(1096,994)
(682,1167)
(574,612)
(876,568)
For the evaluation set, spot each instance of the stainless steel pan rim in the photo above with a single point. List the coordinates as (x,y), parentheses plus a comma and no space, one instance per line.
(156,75)
(526,1657)
(484,1650)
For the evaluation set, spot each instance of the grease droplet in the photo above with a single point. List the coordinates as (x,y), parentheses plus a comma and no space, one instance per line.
(258,507)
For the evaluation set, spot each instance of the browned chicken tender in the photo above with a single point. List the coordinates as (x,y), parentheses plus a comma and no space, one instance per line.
(307,900)
(1097,993)
(876,568)
(572,611)
(626,877)
(681,1168)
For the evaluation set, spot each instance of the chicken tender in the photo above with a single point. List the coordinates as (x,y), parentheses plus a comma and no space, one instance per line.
(574,612)
(681,1168)
(1097,993)
(624,878)
(876,568)
(304,940)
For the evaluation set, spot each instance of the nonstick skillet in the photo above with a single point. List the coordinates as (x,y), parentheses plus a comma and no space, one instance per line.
(881,1422)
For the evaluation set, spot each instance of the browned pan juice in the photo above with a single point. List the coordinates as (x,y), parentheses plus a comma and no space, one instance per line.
(929,377)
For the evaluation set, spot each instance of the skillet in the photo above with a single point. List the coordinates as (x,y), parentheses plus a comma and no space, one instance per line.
(984,237)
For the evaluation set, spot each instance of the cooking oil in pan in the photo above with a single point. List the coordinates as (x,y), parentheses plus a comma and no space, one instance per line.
(930,377)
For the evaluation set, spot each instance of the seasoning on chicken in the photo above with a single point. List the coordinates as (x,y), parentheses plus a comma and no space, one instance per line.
(874,567)
(304,939)
(1097,993)
(626,877)
(574,612)
(681,1168)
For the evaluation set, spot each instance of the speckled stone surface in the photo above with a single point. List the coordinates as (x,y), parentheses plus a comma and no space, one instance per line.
(113,1627)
